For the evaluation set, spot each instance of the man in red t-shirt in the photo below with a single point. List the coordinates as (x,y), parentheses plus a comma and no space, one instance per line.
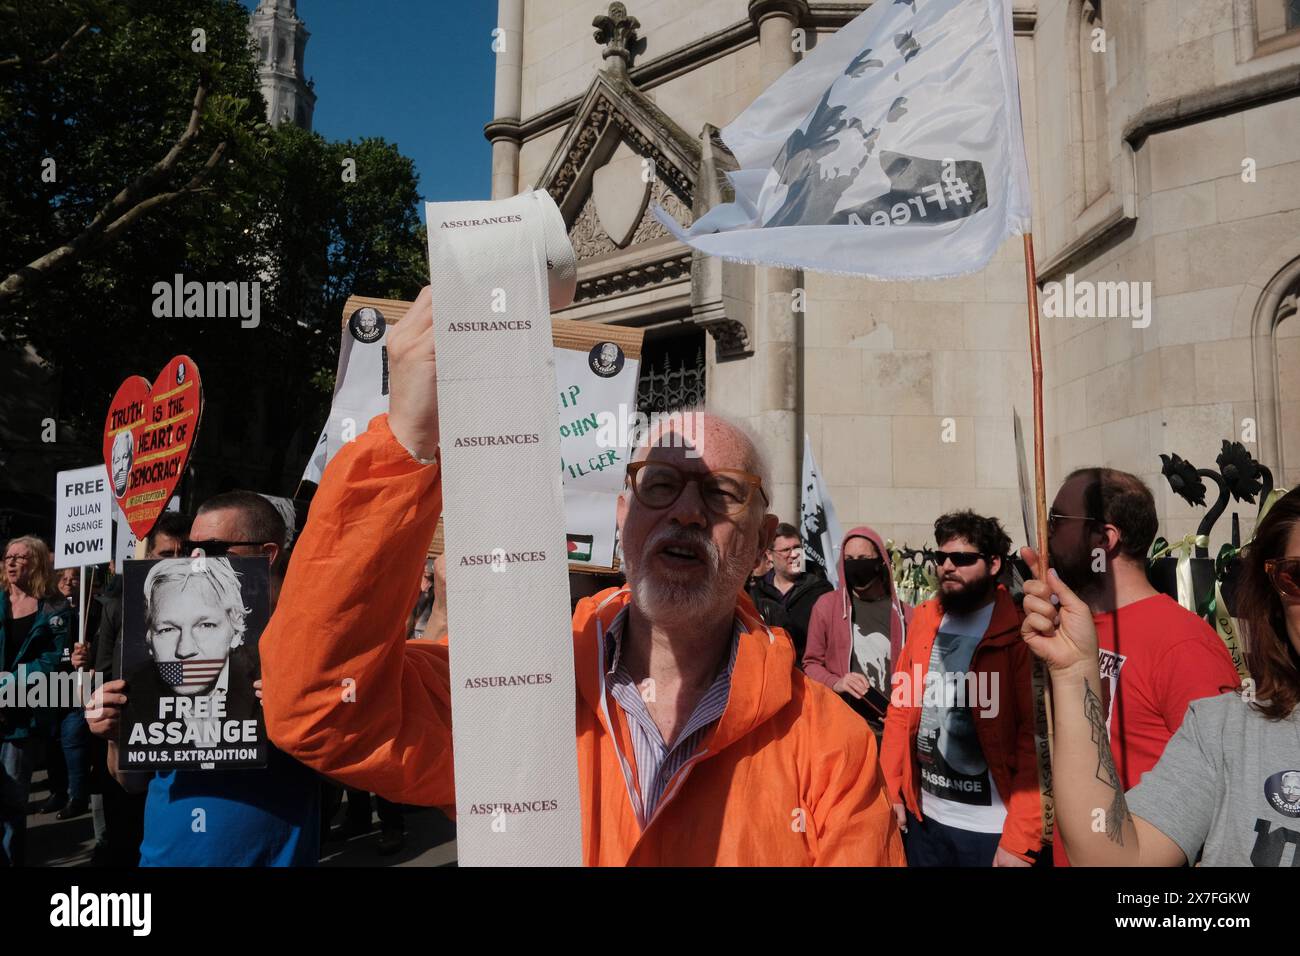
(1156,657)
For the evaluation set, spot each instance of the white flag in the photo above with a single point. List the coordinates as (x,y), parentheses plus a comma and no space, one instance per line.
(893,150)
(361,386)
(822,536)
(288,511)
(315,469)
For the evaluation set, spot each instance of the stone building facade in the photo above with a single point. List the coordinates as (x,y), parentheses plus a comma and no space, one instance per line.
(1162,148)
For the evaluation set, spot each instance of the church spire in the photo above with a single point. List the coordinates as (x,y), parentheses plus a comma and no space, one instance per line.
(281,40)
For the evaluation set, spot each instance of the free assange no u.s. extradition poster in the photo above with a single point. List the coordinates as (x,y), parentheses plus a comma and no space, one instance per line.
(190,628)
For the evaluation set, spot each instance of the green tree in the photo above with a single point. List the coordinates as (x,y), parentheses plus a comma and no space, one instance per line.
(108,90)
(337,219)
(184,97)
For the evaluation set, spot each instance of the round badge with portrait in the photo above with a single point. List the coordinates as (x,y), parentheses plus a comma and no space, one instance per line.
(366,324)
(606,359)
(1282,791)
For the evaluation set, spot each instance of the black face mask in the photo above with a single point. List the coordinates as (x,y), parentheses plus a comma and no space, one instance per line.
(860,572)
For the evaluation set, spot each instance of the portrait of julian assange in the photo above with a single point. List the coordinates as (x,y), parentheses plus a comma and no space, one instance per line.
(123,456)
(189,655)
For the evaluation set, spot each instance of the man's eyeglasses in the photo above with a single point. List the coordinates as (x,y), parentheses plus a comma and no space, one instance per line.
(215,547)
(657,484)
(786,552)
(1054,518)
(959,559)
(1285,575)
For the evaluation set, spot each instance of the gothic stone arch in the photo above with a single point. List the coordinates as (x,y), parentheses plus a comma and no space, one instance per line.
(644,157)
(1269,298)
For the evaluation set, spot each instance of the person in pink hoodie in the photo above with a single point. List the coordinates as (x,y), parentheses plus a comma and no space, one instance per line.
(855,633)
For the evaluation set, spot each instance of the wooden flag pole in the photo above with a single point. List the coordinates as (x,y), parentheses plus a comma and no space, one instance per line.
(1041,686)
(83,586)
(1036,360)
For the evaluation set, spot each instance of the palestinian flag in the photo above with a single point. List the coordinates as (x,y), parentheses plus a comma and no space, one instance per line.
(580,547)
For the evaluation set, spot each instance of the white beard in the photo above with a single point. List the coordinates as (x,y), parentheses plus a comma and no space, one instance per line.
(692,599)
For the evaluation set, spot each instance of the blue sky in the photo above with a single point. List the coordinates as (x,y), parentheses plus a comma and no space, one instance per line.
(415,73)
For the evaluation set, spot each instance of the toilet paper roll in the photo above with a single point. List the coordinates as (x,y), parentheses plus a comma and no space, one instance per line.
(497,268)
(561,262)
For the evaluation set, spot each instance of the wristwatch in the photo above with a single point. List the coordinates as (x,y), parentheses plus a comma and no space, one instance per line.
(422,461)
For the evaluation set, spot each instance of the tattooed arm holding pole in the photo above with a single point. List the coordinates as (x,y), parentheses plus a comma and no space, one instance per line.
(1091,812)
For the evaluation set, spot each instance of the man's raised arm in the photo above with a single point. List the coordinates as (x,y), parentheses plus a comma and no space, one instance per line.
(345,692)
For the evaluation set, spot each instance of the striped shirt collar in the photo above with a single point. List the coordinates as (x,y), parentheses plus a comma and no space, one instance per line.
(656,762)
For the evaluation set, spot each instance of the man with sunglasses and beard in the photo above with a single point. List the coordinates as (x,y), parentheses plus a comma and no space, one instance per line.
(1155,656)
(958,751)
(264,817)
(698,740)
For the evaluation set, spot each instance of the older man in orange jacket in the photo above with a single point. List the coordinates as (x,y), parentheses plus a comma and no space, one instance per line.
(737,759)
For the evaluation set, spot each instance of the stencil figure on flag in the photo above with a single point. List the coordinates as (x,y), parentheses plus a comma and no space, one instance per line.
(822,535)
(894,150)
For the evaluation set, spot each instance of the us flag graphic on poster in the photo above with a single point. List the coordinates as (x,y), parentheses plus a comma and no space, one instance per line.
(181,673)
(893,150)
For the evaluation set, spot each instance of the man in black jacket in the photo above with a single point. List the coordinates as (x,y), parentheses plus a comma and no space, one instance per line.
(785,596)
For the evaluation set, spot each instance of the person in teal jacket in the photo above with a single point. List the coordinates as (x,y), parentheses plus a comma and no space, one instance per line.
(35,629)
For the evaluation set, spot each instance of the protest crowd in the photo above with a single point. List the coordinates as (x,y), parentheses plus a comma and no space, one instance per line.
(260,681)
(888,733)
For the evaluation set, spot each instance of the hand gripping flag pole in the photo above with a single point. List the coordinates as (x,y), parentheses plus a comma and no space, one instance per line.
(1042,689)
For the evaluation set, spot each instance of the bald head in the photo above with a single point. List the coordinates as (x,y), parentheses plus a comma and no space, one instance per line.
(706,435)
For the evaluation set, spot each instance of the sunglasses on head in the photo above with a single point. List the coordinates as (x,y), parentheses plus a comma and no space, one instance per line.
(215,547)
(959,559)
(1285,575)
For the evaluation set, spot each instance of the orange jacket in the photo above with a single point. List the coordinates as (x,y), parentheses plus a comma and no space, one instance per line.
(789,776)
(1007,739)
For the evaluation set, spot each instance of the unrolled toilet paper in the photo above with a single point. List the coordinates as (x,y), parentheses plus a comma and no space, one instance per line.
(497,269)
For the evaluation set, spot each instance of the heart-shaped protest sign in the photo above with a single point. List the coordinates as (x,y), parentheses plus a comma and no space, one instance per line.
(148,435)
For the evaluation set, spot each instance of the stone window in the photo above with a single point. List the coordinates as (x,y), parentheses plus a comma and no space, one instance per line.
(1275,329)
(1091,117)
(266,49)
(1273,18)
(1286,344)
(672,373)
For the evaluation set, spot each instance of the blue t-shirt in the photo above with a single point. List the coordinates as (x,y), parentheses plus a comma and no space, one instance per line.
(267,817)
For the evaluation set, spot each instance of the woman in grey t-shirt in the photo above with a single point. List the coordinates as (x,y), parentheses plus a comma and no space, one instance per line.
(1226,791)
